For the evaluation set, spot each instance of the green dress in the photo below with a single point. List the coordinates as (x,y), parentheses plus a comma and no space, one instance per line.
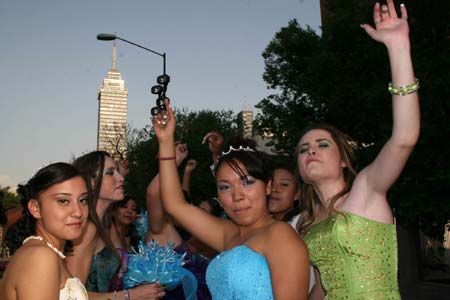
(356,257)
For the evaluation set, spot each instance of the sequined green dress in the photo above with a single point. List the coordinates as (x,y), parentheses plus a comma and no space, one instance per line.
(356,257)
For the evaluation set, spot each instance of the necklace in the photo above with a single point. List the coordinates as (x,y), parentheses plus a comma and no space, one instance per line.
(36,237)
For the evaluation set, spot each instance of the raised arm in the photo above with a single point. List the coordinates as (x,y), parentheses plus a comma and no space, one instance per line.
(186,182)
(210,230)
(393,32)
(158,219)
(156,215)
(214,140)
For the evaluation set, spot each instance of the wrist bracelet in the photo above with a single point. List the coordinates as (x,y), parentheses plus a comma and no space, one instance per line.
(127,294)
(167,158)
(404,90)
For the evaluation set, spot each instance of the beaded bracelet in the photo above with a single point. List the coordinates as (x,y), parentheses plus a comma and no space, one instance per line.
(404,90)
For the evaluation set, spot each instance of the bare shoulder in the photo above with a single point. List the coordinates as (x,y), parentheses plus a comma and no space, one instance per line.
(35,260)
(281,233)
(87,242)
(34,265)
(278,228)
(84,246)
(38,253)
(88,236)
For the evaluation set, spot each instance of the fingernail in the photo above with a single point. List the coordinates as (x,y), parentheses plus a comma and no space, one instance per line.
(402,4)
(165,117)
(158,121)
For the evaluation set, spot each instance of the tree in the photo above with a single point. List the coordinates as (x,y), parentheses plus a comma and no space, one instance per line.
(191,127)
(341,78)
(10,199)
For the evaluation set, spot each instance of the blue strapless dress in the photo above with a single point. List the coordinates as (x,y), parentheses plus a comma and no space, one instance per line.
(239,274)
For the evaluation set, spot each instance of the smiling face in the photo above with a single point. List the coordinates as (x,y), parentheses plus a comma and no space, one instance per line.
(126,214)
(112,188)
(243,199)
(284,192)
(62,209)
(319,157)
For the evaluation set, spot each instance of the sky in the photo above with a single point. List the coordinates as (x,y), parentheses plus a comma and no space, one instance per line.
(52,65)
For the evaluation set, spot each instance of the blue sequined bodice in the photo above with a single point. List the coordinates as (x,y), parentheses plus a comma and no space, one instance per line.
(239,274)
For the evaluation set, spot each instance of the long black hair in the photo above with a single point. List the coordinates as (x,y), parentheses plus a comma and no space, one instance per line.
(45,178)
(91,166)
(131,230)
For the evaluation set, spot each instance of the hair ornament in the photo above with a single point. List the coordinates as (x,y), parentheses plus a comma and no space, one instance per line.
(232,149)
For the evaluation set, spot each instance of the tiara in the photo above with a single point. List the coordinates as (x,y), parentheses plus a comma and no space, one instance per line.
(232,149)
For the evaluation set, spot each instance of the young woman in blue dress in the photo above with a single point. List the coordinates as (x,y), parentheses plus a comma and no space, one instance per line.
(260,258)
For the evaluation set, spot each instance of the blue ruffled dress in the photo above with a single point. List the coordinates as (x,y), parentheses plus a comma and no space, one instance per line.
(239,274)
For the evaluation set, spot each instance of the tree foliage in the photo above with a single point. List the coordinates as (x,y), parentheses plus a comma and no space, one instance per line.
(341,78)
(191,127)
(10,199)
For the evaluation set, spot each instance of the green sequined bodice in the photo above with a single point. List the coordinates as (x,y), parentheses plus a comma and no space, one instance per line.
(356,257)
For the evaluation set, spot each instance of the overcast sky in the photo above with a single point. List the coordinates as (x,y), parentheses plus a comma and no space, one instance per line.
(51,65)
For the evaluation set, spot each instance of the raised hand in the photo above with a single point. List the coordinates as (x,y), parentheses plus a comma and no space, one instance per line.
(164,123)
(123,167)
(190,165)
(389,28)
(181,152)
(214,140)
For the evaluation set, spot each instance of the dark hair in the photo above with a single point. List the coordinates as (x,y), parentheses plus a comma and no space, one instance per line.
(257,163)
(45,178)
(310,202)
(216,209)
(91,166)
(132,232)
(282,164)
(287,165)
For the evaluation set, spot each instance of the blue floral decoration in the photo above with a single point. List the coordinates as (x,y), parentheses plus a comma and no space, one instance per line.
(152,263)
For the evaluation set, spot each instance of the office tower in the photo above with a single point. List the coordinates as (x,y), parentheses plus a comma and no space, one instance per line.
(245,123)
(112,112)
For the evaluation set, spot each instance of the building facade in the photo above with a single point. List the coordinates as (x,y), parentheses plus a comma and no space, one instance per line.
(245,123)
(112,112)
(245,129)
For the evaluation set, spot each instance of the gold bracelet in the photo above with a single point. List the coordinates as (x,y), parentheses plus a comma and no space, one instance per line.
(404,90)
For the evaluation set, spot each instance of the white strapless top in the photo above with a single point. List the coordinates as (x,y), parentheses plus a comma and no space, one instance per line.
(73,290)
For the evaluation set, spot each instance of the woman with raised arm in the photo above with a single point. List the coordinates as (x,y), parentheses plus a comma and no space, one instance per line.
(162,229)
(94,259)
(347,222)
(260,258)
(55,202)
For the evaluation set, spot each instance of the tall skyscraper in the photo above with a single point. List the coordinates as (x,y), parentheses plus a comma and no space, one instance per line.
(245,123)
(112,112)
